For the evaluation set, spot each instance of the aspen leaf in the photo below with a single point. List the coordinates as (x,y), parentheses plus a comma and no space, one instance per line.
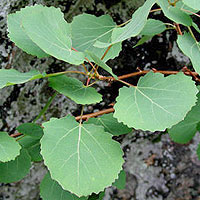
(157,102)
(82,158)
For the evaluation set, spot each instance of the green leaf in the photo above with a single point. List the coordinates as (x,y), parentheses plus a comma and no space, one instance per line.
(190,48)
(157,102)
(47,28)
(144,39)
(12,77)
(81,158)
(17,169)
(51,190)
(153,27)
(101,63)
(133,28)
(196,27)
(120,183)
(198,151)
(174,13)
(110,124)
(31,129)
(32,145)
(185,130)
(194,4)
(183,7)
(20,38)
(87,29)
(75,90)
(9,148)
(99,196)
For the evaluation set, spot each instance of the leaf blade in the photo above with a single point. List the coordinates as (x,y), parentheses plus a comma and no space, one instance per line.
(47,28)
(101,63)
(110,124)
(15,170)
(31,129)
(120,183)
(86,29)
(12,77)
(20,38)
(153,27)
(174,13)
(9,148)
(185,130)
(133,28)
(32,146)
(85,146)
(75,90)
(190,48)
(155,103)
(51,190)
(194,4)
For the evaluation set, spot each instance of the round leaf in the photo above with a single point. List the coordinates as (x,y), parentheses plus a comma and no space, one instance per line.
(133,28)
(15,170)
(12,76)
(82,158)
(110,124)
(195,4)
(47,28)
(153,27)
(75,90)
(157,102)
(190,48)
(9,148)
(87,29)
(185,130)
(20,38)
(51,190)
(32,145)
(31,129)
(120,183)
(174,13)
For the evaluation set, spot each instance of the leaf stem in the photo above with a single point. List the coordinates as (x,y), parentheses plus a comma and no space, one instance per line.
(126,22)
(124,82)
(178,29)
(95,114)
(110,78)
(188,11)
(45,107)
(192,34)
(85,68)
(81,116)
(64,72)
(155,10)
(19,138)
(107,50)
(84,117)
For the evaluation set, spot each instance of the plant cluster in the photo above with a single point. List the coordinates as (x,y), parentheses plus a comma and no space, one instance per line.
(79,152)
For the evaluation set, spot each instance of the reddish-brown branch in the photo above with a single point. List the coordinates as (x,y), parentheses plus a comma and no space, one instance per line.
(110,110)
(185,69)
(190,12)
(15,135)
(84,117)
(178,29)
(145,72)
(95,114)
(107,50)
